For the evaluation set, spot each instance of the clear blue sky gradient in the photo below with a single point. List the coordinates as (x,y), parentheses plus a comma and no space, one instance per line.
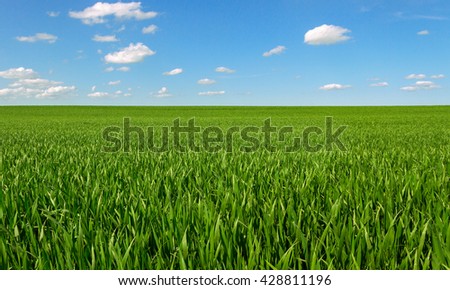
(198,36)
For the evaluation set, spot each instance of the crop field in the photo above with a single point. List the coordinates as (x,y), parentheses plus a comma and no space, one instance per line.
(69,200)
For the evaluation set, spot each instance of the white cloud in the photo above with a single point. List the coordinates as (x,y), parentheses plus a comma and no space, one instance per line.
(123,69)
(163,93)
(222,69)
(27,84)
(105,38)
(18,73)
(163,90)
(131,54)
(96,14)
(430,17)
(326,35)
(36,83)
(206,82)
(53,92)
(415,76)
(38,37)
(380,84)
(421,85)
(38,91)
(13,93)
(98,95)
(423,32)
(151,29)
(211,93)
(403,15)
(277,50)
(409,88)
(440,76)
(53,13)
(114,83)
(173,72)
(93,88)
(330,87)
(426,85)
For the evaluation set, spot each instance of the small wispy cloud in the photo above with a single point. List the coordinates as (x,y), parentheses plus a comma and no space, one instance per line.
(211,93)
(98,95)
(415,76)
(423,32)
(409,88)
(406,16)
(380,84)
(222,69)
(114,83)
(38,37)
(53,13)
(430,17)
(151,29)
(331,87)
(421,85)
(206,81)
(104,38)
(121,29)
(275,51)
(173,72)
(163,93)
(440,76)
(123,69)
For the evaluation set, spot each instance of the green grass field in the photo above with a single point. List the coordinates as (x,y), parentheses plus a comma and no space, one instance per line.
(382,204)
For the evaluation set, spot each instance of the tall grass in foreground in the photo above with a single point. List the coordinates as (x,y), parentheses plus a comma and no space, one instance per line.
(383,204)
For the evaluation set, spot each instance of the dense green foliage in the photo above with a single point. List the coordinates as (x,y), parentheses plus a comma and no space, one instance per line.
(382,204)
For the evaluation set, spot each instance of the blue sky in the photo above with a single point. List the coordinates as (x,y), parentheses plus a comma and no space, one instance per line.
(228,52)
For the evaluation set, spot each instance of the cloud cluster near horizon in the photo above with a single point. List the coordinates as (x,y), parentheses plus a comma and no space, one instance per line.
(26,83)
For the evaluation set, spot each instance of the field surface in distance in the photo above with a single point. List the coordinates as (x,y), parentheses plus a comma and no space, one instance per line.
(383,203)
